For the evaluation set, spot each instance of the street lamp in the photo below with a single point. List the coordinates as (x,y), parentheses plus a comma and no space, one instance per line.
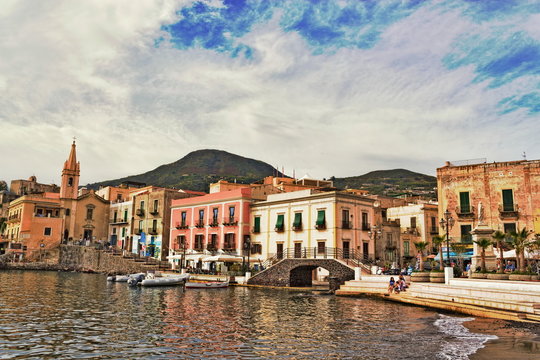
(183,242)
(375,233)
(446,223)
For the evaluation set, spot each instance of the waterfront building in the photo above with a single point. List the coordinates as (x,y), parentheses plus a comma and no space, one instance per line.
(152,219)
(315,222)
(210,223)
(418,222)
(504,194)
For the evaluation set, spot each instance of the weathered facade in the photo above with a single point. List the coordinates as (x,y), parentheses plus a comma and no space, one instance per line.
(31,186)
(506,195)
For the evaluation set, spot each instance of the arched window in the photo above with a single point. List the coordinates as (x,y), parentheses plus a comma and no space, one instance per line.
(70,181)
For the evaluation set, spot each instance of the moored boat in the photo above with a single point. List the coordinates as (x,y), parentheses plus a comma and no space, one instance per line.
(165,280)
(207,284)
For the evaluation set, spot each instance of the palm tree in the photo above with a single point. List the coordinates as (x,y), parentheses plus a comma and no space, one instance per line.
(483,243)
(420,247)
(520,242)
(438,241)
(500,239)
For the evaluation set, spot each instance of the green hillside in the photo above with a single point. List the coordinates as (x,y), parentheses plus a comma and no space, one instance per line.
(198,169)
(391,183)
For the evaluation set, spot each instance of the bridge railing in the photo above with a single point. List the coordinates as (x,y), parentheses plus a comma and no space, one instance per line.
(349,256)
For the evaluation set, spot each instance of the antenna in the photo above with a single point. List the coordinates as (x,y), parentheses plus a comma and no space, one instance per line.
(524,156)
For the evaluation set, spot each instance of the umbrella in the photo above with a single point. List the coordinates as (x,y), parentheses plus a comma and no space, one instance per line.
(223,258)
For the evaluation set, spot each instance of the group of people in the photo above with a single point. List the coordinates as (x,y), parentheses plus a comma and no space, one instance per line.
(397,286)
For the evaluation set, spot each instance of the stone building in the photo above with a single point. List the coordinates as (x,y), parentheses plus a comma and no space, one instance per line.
(31,186)
(505,194)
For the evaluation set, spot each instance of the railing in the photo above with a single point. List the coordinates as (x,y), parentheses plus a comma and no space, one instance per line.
(346,225)
(366,227)
(255,231)
(230,221)
(508,211)
(214,223)
(139,212)
(465,212)
(320,226)
(181,226)
(154,212)
(349,256)
(118,221)
(433,230)
(199,224)
(152,231)
(297,227)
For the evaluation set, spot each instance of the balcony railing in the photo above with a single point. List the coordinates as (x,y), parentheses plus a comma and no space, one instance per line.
(118,221)
(230,221)
(138,231)
(366,227)
(279,228)
(320,226)
(182,225)
(297,227)
(255,231)
(214,223)
(433,230)
(152,231)
(465,212)
(139,212)
(154,211)
(346,225)
(199,224)
(508,211)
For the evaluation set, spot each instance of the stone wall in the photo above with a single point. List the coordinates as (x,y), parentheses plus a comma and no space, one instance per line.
(298,272)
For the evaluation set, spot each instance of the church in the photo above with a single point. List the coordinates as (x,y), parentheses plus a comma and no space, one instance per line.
(41,221)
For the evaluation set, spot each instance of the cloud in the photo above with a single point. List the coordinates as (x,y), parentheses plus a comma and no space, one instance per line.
(329,88)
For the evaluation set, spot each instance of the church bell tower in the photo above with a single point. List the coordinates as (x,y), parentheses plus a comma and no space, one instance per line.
(70,176)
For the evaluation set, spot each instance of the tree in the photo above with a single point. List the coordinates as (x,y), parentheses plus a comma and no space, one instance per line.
(438,241)
(483,243)
(420,247)
(500,239)
(520,242)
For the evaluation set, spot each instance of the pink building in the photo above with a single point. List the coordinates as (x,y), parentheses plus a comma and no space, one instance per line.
(218,221)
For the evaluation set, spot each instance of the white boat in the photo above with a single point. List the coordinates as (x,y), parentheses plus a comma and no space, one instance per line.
(165,280)
(207,284)
(118,278)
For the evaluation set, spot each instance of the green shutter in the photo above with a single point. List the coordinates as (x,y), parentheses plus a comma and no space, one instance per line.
(257,225)
(297,220)
(320,218)
(280,220)
(508,200)
(464,202)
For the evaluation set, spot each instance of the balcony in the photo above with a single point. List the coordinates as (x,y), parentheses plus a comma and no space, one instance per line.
(508,211)
(154,211)
(230,222)
(465,212)
(434,230)
(297,227)
(199,224)
(138,231)
(181,226)
(152,231)
(412,231)
(321,226)
(255,231)
(279,228)
(214,223)
(346,225)
(14,218)
(117,221)
(366,227)
(139,212)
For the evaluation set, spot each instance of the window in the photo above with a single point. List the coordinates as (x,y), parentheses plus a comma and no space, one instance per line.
(413,222)
(509,227)
(119,197)
(125,215)
(215,213)
(257,224)
(229,242)
(70,181)
(181,240)
(40,212)
(213,242)
(142,205)
(123,232)
(183,215)
(114,230)
(321,220)
(321,247)
(365,222)
(280,223)
(464,202)
(199,242)
(434,228)
(231,214)
(89,213)
(256,249)
(156,206)
(154,225)
(508,200)
(466,236)
(47,231)
(140,225)
(383,214)
(115,216)
(201,218)
(297,224)
(345,219)
(406,248)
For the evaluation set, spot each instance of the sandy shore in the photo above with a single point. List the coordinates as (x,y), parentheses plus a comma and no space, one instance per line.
(515,340)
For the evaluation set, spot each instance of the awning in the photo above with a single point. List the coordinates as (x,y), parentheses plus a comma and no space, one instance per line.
(320,218)
(511,254)
(297,219)
(280,220)
(466,255)
(223,258)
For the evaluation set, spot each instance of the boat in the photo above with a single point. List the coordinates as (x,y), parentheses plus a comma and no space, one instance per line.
(118,278)
(135,279)
(165,280)
(207,284)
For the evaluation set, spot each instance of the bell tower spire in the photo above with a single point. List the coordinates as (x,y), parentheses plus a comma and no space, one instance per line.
(70,175)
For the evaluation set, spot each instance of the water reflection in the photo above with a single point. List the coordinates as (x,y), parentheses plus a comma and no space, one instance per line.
(70,315)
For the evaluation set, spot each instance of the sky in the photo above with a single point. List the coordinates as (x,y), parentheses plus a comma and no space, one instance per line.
(330,88)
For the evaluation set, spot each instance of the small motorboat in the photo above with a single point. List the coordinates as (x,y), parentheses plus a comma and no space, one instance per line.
(118,278)
(207,284)
(165,280)
(135,279)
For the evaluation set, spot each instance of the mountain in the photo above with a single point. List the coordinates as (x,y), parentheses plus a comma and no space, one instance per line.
(391,183)
(198,169)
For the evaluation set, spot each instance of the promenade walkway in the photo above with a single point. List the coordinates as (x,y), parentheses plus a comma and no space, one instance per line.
(508,300)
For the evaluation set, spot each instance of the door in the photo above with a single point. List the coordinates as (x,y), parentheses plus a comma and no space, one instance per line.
(279,251)
(346,250)
(365,250)
(87,234)
(298,250)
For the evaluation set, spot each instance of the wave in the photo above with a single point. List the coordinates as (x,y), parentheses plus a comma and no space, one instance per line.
(460,342)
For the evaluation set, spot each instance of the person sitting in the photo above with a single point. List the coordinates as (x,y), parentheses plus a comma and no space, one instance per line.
(391,285)
(402,283)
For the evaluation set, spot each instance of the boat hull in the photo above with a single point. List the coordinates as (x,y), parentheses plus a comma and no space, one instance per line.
(207,285)
(165,281)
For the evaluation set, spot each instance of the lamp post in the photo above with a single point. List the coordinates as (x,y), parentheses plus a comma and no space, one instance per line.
(446,223)
(183,242)
(247,247)
(375,233)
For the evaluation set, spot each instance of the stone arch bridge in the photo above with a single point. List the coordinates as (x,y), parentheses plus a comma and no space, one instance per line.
(298,272)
